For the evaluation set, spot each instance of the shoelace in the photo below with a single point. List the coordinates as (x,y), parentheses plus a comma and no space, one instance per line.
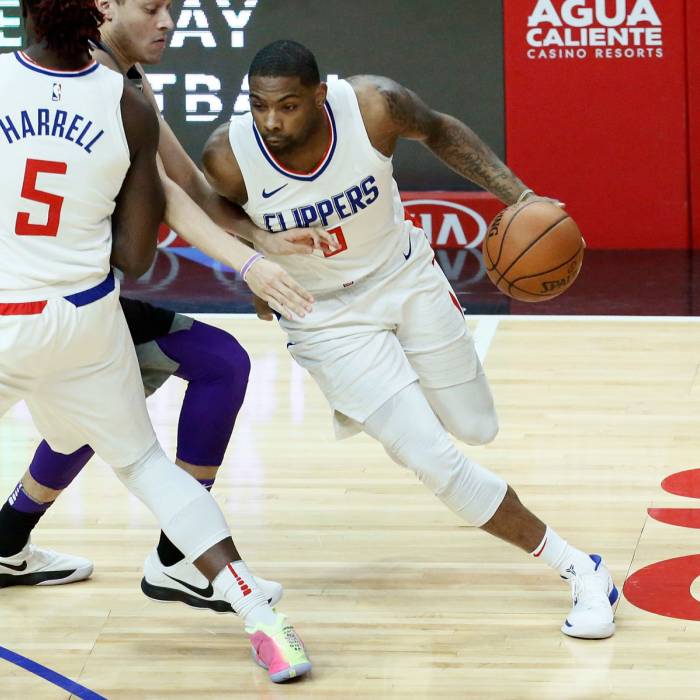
(589,583)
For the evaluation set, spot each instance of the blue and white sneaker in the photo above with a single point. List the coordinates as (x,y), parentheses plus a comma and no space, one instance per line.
(594,596)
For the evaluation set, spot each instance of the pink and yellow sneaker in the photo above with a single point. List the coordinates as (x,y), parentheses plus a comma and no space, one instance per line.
(279,649)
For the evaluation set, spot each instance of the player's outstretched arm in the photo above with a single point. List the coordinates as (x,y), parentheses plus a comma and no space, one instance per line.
(140,203)
(224,175)
(265,278)
(182,170)
(391,111)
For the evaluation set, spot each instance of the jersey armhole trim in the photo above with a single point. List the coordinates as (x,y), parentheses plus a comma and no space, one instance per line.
(237,122)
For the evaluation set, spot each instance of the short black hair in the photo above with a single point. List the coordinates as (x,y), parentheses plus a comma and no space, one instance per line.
(286,58)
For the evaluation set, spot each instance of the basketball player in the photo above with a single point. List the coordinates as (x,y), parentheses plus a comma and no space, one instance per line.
(213,363)
(80,183)
(386,340)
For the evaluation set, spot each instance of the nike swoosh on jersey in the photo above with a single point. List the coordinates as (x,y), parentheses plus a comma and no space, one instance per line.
(207,592)
(410,244)
(21,567)
(267,195)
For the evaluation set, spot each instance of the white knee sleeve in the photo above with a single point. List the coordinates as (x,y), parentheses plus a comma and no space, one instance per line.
(466,410)
(414,438)
(185,510)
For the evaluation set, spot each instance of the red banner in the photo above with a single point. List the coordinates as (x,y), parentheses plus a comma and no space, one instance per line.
(596,114)
(692,24)
(452,219)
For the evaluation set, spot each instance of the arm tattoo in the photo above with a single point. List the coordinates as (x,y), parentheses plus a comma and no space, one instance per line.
(449,139)
(460,148)
(408,112)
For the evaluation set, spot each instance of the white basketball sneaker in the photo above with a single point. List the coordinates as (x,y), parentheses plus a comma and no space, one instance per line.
(34,566)
(183,582)
(594,595)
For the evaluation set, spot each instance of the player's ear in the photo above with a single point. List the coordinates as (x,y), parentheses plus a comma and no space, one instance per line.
(320,96)
(105,7)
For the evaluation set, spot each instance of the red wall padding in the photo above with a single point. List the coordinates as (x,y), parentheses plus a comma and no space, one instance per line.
(608,136)
(693,25)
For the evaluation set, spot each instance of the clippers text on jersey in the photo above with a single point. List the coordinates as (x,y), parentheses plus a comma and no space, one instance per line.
(327,212)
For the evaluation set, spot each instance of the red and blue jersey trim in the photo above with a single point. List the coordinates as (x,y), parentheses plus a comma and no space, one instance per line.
(32,65)
(323,163)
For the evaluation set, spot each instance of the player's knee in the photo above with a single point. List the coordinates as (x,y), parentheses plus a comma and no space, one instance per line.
(464,486)
(427,457)
(212,355)
(232,361)
(478,430)
(235,363)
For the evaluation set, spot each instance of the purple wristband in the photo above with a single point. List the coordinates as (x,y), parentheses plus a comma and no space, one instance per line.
(249,263)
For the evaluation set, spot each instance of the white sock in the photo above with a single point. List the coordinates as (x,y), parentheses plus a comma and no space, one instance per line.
(236,585)
(561,556)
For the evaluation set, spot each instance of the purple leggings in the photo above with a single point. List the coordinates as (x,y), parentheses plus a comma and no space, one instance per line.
(216,368)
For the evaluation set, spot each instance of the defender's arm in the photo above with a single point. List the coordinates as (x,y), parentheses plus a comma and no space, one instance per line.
(140,203)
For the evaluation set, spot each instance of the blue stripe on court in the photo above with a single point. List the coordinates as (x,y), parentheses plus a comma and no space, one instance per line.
(80,691)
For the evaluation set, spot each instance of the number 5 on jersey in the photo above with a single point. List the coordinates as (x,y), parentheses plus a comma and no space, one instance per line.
(24,227)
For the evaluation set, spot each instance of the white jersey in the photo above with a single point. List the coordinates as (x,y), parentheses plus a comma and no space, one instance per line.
(64,156)
(351,193)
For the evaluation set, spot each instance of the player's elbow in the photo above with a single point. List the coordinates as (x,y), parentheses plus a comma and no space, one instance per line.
(132,268)
(134,260)
(438,131)
(137,269)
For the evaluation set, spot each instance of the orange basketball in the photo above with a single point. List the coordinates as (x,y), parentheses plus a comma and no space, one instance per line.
(533,251)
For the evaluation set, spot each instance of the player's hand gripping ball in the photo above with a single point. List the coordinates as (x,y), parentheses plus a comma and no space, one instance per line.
(533,251)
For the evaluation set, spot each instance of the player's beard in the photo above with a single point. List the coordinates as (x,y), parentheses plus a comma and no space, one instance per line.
(290,144)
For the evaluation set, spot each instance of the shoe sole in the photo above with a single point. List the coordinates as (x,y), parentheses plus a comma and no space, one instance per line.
(45,578)
(287,674)
(164,594)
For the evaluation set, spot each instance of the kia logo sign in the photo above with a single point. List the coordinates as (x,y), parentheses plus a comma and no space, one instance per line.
(447,224)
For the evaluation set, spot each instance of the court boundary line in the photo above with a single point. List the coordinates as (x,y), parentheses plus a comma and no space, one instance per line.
(58,679)
(484,334)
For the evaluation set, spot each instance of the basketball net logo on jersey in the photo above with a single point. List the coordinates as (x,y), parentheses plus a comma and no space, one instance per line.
(580,29)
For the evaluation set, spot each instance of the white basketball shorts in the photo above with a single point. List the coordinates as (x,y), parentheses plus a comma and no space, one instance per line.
(76,368)
(365,343)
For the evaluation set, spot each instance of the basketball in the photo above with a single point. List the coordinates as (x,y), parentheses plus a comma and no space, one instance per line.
(533,251)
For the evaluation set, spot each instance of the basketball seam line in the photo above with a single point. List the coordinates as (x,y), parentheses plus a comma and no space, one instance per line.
(544,272)
(534,296)
(537,240)
(505,233)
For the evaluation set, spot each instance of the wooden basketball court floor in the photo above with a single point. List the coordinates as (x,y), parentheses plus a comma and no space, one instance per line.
(393,595)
